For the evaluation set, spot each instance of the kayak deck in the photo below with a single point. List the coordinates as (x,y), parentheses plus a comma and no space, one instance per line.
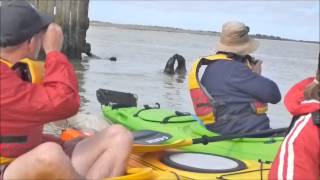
(185,126)
(253,170)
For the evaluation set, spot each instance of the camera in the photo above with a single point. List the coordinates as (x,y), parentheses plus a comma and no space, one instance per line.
(251,59)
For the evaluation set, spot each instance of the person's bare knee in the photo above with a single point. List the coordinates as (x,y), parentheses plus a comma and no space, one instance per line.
(49,154)
(114,137)
(45,160)
(116,142)
(111,149)
(118,133)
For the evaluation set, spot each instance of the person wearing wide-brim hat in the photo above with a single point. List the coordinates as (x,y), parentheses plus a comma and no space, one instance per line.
(26,153)
(235,39)
(240,93)
(299,155)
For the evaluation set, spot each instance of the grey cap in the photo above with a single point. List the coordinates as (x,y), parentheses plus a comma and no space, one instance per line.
(20,20)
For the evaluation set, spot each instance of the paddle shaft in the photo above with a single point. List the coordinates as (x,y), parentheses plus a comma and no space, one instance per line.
(206,140)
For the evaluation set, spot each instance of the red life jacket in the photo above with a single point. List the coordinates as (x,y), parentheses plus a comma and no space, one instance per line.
(26,107)
(202,100)
(33,72)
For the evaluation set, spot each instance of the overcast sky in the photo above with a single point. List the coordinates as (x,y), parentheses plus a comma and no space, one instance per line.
(285,18)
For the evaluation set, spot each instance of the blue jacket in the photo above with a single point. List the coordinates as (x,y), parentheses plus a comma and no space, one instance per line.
(234,86)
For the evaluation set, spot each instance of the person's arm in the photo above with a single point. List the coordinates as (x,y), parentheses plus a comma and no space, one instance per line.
(259,87)
(55,99)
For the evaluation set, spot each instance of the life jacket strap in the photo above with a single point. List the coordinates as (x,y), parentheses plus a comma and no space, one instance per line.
(316,118)
(8,140)
(13,139)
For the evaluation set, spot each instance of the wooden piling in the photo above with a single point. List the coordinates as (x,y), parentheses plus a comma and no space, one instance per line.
(72,15)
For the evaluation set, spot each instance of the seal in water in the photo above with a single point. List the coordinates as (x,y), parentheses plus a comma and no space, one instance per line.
(113,58)
(181,68)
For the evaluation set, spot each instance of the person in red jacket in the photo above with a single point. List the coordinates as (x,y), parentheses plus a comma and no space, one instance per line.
(26,107)
(299,154)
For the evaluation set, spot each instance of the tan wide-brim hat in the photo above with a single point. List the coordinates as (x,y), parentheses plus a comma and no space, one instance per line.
(235,38)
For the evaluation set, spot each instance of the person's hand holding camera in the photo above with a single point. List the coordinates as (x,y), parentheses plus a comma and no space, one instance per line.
(257,66)
(52,38)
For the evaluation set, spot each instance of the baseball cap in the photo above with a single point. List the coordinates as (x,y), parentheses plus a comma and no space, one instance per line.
(20,20)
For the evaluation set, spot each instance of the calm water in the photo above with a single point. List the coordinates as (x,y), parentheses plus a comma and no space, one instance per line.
(142,56)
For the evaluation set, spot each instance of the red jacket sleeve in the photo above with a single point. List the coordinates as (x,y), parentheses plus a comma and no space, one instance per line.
(299,155)
(55,99)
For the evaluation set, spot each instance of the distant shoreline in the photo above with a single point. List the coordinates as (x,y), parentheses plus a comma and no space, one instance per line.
(179,30)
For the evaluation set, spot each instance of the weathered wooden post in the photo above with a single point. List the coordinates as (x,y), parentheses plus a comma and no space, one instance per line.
(72,15)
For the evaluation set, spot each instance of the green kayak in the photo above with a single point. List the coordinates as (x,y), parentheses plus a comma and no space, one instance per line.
(181,126)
